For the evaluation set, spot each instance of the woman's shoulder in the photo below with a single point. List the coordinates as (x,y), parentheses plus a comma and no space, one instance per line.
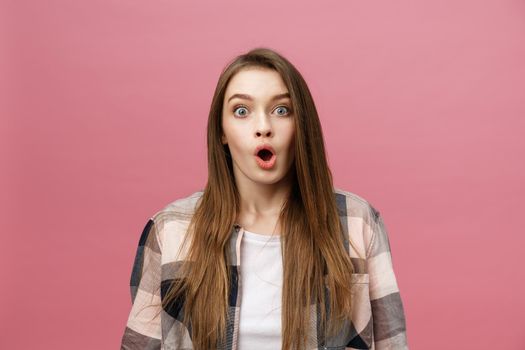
(180,208)
(348,204)
(178,211)
(352,204)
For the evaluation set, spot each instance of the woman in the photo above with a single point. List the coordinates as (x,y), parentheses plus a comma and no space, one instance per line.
(269,255)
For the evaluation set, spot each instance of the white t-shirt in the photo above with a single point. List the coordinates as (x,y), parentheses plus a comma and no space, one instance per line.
(261,280)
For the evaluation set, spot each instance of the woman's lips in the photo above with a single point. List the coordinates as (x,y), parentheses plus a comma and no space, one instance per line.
(265,164)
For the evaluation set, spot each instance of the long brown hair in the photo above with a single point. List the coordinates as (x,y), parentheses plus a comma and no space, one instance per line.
(312,241)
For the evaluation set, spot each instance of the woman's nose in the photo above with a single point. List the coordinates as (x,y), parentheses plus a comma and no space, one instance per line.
(263,125)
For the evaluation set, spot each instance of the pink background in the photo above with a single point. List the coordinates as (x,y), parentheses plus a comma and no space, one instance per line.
(104,110)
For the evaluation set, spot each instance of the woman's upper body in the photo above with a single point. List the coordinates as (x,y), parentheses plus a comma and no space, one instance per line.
(377,320)
(267,172)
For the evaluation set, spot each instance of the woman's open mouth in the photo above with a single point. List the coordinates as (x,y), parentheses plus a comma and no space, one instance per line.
(265,157)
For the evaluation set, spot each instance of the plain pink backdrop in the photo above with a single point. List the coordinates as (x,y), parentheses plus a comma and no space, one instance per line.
(104,111)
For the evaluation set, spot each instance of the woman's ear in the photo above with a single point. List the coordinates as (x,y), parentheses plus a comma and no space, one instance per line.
(223,139)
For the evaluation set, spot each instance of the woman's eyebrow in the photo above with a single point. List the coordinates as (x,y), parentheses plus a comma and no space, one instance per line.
(248,97)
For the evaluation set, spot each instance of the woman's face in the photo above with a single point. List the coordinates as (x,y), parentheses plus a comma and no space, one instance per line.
(257,111)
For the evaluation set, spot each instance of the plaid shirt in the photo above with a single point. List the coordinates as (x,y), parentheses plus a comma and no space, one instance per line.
(377,322)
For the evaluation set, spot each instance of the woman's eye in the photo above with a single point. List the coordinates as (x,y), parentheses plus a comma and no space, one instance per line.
(241,109)
(287,111)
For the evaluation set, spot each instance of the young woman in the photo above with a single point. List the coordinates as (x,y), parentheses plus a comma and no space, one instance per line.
(270,255)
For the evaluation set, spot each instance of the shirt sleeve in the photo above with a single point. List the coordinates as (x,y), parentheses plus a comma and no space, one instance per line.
(143,328)
(388,316)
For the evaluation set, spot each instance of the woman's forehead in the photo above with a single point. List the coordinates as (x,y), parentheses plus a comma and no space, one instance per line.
(256,83)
